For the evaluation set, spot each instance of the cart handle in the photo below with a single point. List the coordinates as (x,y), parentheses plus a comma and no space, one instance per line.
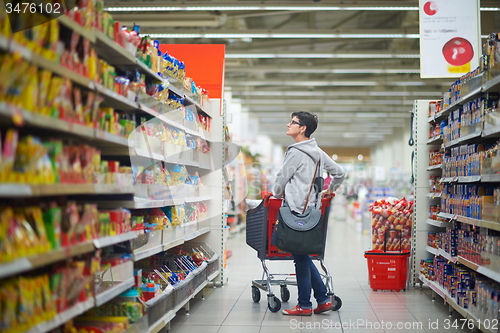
(265,195)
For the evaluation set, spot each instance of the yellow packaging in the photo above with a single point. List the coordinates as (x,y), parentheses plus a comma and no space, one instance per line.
(44,79)
(29,95)
(9,299)
(7,249)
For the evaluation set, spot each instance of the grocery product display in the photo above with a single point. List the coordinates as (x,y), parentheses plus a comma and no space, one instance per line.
(105,165)
(463,219)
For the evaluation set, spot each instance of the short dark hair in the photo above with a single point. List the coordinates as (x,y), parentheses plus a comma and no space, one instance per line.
(308,119)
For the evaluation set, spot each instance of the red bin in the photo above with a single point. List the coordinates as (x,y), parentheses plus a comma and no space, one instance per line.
(387,270)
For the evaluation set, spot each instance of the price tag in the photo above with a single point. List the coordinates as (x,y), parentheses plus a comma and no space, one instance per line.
(17,116)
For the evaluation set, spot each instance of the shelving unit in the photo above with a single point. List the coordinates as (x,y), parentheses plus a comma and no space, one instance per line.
(453,304)
(424,199)
(209,230)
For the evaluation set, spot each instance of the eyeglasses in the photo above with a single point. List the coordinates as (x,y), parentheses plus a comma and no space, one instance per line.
(295,122)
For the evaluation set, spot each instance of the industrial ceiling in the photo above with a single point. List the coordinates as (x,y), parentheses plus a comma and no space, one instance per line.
(354,63)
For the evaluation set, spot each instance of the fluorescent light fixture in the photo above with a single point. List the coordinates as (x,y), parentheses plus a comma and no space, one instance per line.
(302,83)
(254,8)
(326,70)
(336,93)
(323,55)
(275,35)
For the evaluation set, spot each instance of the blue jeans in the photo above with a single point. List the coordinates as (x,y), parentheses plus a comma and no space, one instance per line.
(309,278)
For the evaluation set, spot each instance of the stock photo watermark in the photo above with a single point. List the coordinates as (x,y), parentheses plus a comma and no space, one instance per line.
(446,324)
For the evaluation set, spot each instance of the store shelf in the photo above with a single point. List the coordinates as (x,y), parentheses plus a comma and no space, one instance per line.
(32,262)
(444,113)
(197,199)
(447,216)
(197,233)
(490,178)
(491,131)
(73,25)
(176,242)
(462,140)
(493,84)
(23,190)
(112,240)
(433,195)
(213,275)
(435,140)
(116,100)
(494,275)
(148,71)
(175,90)
(26,264)
(434,167)
(139,255)
(114,291)
(432,250)
(62,317)
(451,301)
(478,223)
(163,321)
(436,223)
(191,101)
(112,51)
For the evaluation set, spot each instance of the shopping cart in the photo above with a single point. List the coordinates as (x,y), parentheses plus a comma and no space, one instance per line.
(260,222)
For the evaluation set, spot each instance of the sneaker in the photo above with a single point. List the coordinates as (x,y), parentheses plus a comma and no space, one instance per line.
(298,311)
(323,308)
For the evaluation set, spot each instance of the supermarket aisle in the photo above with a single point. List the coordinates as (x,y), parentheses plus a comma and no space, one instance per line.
(230,308)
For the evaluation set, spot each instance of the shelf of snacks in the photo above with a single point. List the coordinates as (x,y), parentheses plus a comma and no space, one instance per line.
(47,243)
(455,105)
(25,190)
(17,266)
(63,317)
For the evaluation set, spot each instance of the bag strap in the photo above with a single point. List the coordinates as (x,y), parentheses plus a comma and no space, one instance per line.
(310,188)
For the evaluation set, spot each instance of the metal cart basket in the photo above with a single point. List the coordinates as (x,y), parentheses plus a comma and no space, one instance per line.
(260,223)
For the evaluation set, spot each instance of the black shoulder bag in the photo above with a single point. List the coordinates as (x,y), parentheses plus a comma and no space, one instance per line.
(301,233)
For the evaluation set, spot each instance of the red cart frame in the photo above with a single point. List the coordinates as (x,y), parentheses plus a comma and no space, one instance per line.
(259,228)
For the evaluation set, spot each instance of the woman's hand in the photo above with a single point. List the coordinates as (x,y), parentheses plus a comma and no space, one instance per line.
(326,193)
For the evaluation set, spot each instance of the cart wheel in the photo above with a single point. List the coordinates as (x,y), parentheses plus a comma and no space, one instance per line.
(285,294)
(337,303)
(274,304)
(255,294)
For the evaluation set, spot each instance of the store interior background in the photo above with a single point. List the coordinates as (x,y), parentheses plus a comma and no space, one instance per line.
(354,63)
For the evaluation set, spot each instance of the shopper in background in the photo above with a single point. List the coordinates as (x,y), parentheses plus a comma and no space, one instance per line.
(293,183)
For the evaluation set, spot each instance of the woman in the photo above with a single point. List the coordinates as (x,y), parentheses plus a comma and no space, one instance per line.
(293,182)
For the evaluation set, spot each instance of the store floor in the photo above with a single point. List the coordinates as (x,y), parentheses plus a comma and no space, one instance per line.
(231,309)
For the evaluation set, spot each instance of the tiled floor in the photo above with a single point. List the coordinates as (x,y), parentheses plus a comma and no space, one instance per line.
(230,308)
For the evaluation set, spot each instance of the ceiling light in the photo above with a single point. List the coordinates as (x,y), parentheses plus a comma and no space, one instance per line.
(256,8)
(243,93)
(323,55)
(274,35)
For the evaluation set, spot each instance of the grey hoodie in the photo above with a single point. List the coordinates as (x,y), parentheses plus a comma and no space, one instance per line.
(298,171)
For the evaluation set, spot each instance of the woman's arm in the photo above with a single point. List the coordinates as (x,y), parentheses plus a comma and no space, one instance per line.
(335,170)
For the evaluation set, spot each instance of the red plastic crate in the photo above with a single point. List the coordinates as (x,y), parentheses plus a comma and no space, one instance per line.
(387,270)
